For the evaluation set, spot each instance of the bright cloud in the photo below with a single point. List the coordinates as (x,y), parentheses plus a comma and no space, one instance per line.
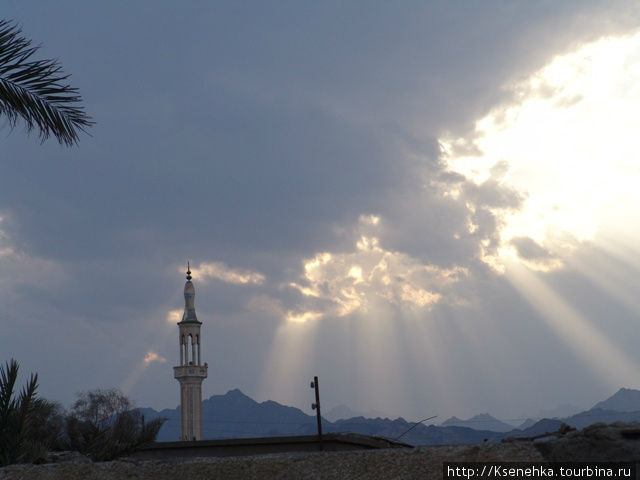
(174,316)
(302,317)
(220,271)
(5,248)
(151,357)
(345,283)
(569,145)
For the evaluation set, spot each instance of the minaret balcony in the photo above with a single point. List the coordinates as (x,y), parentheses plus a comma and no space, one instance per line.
(193,371)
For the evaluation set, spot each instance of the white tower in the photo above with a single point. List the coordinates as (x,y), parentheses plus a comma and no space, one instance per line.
(190,373)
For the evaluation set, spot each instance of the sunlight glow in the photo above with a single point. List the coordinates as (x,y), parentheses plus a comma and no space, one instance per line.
(369,219)
(353,282)
(153,357)
(302,317)
(174,316)
(569,145)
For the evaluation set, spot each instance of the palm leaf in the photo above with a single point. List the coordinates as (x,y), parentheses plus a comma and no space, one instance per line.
(8,377)
(36,92)
(26,402)
(17,417)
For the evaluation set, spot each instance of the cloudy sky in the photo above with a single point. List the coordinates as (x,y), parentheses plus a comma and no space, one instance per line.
(433,206)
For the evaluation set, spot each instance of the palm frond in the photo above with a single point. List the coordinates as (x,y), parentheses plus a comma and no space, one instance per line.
(36,92)
(27,400)
(8,377)
(16,416)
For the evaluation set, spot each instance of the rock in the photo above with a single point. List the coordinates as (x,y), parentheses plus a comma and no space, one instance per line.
(618,442)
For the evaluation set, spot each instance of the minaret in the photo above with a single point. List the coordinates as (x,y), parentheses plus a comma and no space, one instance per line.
(190,373)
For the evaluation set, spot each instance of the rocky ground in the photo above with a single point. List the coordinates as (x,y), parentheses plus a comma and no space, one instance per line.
(619,442)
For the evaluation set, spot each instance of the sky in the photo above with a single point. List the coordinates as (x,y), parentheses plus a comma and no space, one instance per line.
(432,206)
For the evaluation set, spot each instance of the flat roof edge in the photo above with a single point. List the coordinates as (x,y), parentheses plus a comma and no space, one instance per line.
(346,438)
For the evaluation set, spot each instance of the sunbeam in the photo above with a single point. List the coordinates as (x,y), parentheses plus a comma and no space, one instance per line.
(158,339)
(380,369)
(288,365)
(612,273)
(133,378)
(611,366)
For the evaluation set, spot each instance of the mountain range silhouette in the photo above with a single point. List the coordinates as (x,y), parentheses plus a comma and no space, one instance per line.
(235,415)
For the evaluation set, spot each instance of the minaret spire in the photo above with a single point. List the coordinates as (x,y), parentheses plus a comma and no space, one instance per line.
(189,299)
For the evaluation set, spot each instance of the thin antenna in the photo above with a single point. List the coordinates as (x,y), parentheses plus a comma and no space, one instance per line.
(414,426)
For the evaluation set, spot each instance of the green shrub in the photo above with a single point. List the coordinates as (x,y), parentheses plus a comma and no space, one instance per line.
(103,425)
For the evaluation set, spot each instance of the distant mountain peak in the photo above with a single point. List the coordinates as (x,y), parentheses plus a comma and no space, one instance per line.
(452,420)
(624,400)
(232,395)
(236,392)
(343,412)
(483,416)
(481,421)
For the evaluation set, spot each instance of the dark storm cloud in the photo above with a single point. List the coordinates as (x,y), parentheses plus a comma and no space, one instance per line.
(258,127)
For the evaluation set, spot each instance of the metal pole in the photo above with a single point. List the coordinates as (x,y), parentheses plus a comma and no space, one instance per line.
(316,407)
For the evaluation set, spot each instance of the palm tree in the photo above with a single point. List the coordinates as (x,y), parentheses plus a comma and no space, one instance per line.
(36,92)
(16,415)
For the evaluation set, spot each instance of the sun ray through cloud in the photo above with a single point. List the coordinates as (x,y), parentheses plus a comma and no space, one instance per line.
(150,357)
(611,366)
(380,364)
(288,365)
(612,273)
